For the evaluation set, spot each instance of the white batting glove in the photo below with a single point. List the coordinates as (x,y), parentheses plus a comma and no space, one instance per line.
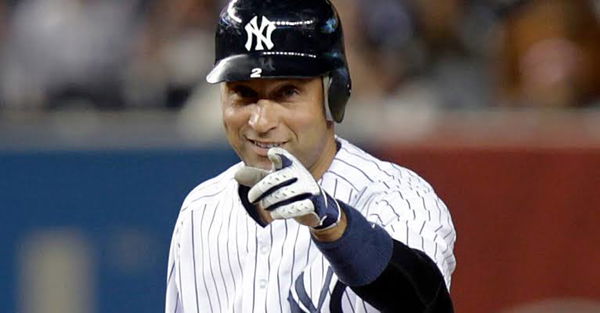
(289,191)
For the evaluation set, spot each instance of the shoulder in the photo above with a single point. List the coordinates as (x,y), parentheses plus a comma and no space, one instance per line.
(366,172)
(211,188)
(208,191)
(401,202)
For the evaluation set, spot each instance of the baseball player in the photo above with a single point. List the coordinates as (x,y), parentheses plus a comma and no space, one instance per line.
(307,222)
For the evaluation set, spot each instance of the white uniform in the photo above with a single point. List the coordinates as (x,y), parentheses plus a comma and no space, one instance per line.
(222,261)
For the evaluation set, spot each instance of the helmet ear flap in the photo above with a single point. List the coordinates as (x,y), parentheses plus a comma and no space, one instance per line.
(340,87)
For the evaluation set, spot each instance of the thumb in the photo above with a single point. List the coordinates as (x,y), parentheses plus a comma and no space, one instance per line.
(280,158)
(249,176)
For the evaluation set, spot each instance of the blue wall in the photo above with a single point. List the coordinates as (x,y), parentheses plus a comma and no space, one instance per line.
(121,201)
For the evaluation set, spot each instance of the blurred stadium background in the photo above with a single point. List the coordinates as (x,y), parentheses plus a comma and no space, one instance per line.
(106,123)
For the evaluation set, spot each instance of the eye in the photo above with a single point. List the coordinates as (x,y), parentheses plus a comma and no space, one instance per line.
(288,91)
(243,93)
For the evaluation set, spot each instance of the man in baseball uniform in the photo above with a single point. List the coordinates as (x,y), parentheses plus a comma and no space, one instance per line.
(307,222)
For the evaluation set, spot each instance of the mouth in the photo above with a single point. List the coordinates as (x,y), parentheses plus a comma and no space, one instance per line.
(262,147)
(266,144)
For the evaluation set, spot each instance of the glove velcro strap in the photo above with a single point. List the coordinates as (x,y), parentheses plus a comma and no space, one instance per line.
(328,210)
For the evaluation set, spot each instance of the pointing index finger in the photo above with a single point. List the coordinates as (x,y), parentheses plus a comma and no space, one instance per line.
(249,176)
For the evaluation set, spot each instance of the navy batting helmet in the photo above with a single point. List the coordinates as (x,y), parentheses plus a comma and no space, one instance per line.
(283,39)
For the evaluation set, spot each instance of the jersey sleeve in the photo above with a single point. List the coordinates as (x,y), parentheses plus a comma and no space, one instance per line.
(415,216)
(396,252)
(173,302)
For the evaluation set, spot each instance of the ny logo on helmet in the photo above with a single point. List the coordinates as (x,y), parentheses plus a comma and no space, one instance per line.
(262,33)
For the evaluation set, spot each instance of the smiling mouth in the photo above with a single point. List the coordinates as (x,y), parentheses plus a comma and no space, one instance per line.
(266,145)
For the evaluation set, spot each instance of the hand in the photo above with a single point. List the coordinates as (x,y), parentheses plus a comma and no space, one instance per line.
(289,191)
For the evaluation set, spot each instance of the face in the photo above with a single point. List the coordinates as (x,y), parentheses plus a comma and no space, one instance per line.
(289,113)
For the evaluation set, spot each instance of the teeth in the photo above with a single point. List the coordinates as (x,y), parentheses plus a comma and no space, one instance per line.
(266,145)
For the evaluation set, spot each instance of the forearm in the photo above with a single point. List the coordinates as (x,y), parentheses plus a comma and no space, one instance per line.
(410,283)
(386,273)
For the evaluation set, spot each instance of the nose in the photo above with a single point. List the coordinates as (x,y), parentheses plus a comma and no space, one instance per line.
(264,116)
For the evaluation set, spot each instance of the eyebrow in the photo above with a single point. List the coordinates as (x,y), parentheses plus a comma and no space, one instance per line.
(296,80)
(282,83)
(279,83)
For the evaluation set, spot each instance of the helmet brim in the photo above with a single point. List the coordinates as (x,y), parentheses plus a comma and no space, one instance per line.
(246,67)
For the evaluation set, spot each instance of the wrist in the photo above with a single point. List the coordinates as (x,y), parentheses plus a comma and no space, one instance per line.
(332,233)
(327,211)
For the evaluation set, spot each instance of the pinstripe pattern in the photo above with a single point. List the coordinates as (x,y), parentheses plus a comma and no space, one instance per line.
(221,261)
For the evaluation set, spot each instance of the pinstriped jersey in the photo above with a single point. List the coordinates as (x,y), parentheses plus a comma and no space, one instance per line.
(220,260)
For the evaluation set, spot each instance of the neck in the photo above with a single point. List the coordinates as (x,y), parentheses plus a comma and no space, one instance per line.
(326,158)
